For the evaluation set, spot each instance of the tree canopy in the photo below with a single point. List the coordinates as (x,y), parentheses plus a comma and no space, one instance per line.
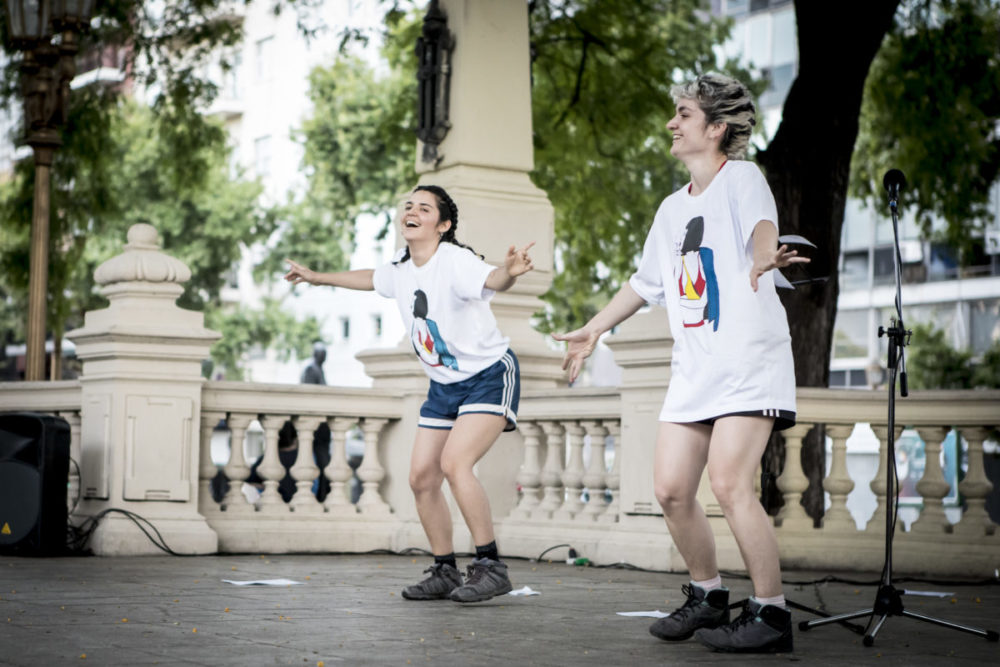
(931,107)
(162,161)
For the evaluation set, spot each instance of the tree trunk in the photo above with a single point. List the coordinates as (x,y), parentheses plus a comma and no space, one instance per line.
(807,165)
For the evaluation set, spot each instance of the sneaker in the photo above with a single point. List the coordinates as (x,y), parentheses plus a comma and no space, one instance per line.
(700,611)
(443,580)
(486,578)
(759,629)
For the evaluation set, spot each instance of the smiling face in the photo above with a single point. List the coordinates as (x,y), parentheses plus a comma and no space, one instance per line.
(692,136)
(421,220)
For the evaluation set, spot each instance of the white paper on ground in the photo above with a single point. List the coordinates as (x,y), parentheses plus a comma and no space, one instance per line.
(524,590)
(650,614)
(929,594)
(264,582)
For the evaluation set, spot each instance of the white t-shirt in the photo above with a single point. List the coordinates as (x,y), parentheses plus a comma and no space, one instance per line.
(732,350)
(445,307)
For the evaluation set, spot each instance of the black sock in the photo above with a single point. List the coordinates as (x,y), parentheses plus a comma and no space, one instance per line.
(488,551)
(447,559)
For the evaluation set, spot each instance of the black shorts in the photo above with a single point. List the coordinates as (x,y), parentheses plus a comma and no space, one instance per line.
(783,419)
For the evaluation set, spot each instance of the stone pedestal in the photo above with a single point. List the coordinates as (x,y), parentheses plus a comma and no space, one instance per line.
(484,162)
(141,403)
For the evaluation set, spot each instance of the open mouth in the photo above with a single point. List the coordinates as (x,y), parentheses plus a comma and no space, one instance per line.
(411,223)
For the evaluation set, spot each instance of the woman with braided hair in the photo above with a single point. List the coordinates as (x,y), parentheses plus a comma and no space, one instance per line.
(443,289)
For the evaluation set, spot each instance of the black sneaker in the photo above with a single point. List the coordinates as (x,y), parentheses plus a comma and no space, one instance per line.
(759,629)
(486,578)
(443,580)
(700,611)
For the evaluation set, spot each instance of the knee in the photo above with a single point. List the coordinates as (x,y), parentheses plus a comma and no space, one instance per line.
(730,492)
(672,497)
(424,480)
(454,468)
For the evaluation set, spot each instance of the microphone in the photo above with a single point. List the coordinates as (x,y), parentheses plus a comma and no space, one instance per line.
(893,182)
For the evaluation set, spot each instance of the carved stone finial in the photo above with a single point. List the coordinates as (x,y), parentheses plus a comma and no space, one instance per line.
(142,261)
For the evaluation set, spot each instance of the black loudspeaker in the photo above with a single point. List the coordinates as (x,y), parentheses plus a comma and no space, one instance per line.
(34,472)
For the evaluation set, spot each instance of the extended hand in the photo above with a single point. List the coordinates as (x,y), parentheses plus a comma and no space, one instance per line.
(518,262)
(779,259)
(581,344)
(299,274)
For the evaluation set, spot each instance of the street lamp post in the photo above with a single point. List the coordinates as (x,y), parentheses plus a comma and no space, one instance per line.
(47,69)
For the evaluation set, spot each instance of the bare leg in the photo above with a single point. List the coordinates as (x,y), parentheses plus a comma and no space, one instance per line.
(426,478)
(681,453)
(469,440)
(737,445)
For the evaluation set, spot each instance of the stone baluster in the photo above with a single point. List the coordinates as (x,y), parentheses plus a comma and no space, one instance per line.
(529,477)
(270,469)
(555,439)
(371,471)
(206,468)
(572,475)
(338,501)
(73,487)
(975,487)
(613,479)
(594,479)
(838,482)
(878,483)
(932,487)
(305,471)
(793,482)
(236,468)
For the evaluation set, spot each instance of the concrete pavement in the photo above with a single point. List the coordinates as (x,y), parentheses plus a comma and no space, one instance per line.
(167,610)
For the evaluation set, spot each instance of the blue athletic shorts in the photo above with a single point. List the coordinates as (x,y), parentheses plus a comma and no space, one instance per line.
(495,390)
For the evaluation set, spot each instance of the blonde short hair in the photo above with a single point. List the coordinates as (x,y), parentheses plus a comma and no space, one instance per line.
(724,100)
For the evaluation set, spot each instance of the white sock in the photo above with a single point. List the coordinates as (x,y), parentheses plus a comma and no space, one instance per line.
(777,601)
(710,584)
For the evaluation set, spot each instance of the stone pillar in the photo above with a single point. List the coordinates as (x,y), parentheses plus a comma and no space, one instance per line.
(141,403)
(484,160)
(643,347)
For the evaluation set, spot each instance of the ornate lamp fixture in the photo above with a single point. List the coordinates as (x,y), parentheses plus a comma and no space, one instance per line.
(434,49)
(47,69)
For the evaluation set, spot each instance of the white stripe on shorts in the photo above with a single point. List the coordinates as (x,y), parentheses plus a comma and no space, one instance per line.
(432,422)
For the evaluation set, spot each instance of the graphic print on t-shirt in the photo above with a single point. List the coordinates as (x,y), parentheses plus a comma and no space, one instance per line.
(427,341)
(696,282)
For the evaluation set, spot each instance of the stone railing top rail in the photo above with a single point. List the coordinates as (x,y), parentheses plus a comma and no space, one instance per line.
(300,400)
(58,396)
(968,407)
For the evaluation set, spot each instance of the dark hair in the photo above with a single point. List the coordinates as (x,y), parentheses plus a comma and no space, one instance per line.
(447,210)
(419,304)
(695,231)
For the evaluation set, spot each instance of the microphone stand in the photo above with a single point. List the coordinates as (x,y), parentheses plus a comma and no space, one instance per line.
(888,599)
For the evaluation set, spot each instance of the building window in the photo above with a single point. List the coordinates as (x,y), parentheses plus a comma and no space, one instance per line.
(984,324)
(377,325)
(264,55)
(852,378)
(850,335)
(345,328)
(854,272)
(884,266)
(262,156)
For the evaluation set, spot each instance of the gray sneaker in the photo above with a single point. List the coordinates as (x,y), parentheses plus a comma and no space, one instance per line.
(759,629)
(443,580)
(486,578)
(700,611)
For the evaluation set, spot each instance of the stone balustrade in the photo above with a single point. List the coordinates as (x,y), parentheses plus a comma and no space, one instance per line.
(566,491)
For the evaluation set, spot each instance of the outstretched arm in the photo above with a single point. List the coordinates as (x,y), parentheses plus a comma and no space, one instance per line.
(360,279)
(766,254)
(583,341)
(516,263)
